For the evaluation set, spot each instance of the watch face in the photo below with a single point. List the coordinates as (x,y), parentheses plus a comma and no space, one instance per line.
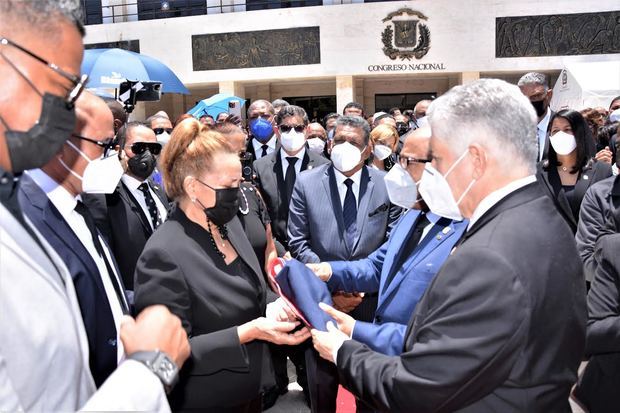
(166,369)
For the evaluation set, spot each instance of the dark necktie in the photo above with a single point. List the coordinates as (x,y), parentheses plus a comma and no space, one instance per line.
(264,152)
(349,214)
(415,235)
(81,209)
(150,205)
(289,179)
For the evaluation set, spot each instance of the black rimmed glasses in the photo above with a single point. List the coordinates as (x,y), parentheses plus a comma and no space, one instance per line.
(140,147)
(405,161)
(287,129)
(159,131)
(106,144)
(79,82)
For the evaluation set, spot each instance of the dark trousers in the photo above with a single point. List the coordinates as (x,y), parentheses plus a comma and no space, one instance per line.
(296,354)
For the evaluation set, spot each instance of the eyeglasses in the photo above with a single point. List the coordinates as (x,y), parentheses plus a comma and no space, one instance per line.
(106,144)
(286,128)
(140,147)
(321,137)
(405,161)
(79,82)
(159,131)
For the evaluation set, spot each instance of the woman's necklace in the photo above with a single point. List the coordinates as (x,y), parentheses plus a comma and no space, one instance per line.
(245,210)
(223,234)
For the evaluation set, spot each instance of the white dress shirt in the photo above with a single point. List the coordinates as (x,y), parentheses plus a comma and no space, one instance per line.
(496,196)
(132,184)
(65,203)
(342,187)
(258,146)
(299,156)
(541,131)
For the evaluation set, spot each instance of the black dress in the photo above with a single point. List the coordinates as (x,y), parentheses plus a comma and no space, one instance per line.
(254,219)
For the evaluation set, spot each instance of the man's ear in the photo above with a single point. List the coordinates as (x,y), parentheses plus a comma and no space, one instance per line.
(479,160)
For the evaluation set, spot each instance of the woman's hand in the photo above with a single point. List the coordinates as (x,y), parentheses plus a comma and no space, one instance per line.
(277,332)
(604,155)
(280,311)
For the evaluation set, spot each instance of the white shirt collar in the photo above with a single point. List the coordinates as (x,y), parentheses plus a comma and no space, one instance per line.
(496,196)
(356,177)
(298,155)
(544,123)
(61,198)
(131,182)
(271,143)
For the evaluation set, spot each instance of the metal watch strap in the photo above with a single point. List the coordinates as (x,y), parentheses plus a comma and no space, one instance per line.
(160,364)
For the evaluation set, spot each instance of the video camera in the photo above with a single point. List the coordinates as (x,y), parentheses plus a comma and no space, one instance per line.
(132,91)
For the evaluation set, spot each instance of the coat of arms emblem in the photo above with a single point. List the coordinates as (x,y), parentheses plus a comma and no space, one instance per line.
(405,36)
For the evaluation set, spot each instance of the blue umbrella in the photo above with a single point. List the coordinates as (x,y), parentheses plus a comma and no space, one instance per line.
(109,67)
(214,105)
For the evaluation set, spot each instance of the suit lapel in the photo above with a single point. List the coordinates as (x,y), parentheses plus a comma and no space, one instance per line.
(279,182)
(159,191)
(365,195)
(244,250)
(551,179)
(124,193)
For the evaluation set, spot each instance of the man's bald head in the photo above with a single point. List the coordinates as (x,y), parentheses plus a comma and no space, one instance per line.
(316,130)
(416,146)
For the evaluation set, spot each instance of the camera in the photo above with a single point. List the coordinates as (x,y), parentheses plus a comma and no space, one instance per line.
(247,171)
(132,91)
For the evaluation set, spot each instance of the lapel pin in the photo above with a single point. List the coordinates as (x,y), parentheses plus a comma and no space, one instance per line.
(585,177)
(446,230)
(309,167)
(439,236)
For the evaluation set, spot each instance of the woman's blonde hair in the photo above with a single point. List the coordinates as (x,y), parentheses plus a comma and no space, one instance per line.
(382,132)
(191,151)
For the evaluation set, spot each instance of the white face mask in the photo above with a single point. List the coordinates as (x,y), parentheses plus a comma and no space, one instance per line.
(163,138)
(316,145)
(401,188)
(381,152)
(101,176)
(292,141)
(563,143)
(437,194)
(346,157)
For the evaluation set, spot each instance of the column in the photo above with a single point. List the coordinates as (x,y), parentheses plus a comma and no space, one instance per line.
(232,87)
(345,91)
(468,77)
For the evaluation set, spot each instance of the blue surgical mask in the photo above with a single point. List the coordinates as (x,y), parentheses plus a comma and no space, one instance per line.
(261,129)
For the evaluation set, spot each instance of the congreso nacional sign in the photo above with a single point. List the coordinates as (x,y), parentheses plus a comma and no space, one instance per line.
(406,36)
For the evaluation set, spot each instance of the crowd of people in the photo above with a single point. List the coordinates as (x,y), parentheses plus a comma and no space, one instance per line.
(469,246)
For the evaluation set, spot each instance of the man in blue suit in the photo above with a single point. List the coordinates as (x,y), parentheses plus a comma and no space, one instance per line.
(402,268)
(50,199)
(340,211)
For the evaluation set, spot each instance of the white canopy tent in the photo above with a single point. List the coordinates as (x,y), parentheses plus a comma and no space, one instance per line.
(586,85)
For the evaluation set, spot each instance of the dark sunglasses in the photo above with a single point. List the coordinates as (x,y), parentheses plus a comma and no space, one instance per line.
(106,144)
(286,128)
(321,137)
(406,161)
(140,147)
(159,131)
(79,82)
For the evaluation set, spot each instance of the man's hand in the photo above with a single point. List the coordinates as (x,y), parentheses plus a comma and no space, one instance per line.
(276,332)
(322,270)
(280,311)
(328,343)
(345,322)
(155,328)
(347,301)
(604,155)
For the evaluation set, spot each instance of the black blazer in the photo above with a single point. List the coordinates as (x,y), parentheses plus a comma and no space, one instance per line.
(94,304)
(121,219)
(180,269)
(501,328)
(599,384)
(549,180)
(270,181)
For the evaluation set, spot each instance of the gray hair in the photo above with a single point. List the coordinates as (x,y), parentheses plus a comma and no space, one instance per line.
(291,110)
(355,122)
(41,15)
(151,118)
(533,78)
(261,101)
(490,112)
(279,103)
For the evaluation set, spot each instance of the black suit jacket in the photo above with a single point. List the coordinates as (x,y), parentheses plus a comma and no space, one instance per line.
(121,219)
(501,328)
(599,384)
(551,184)
(180,269)
(270,181)
(94,304)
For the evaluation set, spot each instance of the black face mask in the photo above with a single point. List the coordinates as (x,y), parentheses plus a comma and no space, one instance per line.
(34,148)
(402,128)
(540,107)
(142,165)
(226,205)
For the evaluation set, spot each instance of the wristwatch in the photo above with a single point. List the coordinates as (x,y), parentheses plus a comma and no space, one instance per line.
(159,363)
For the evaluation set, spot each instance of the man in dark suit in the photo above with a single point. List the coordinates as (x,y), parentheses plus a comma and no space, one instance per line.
(501,327)
(340,212)
(50,199)
(138,205)
(276,173)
